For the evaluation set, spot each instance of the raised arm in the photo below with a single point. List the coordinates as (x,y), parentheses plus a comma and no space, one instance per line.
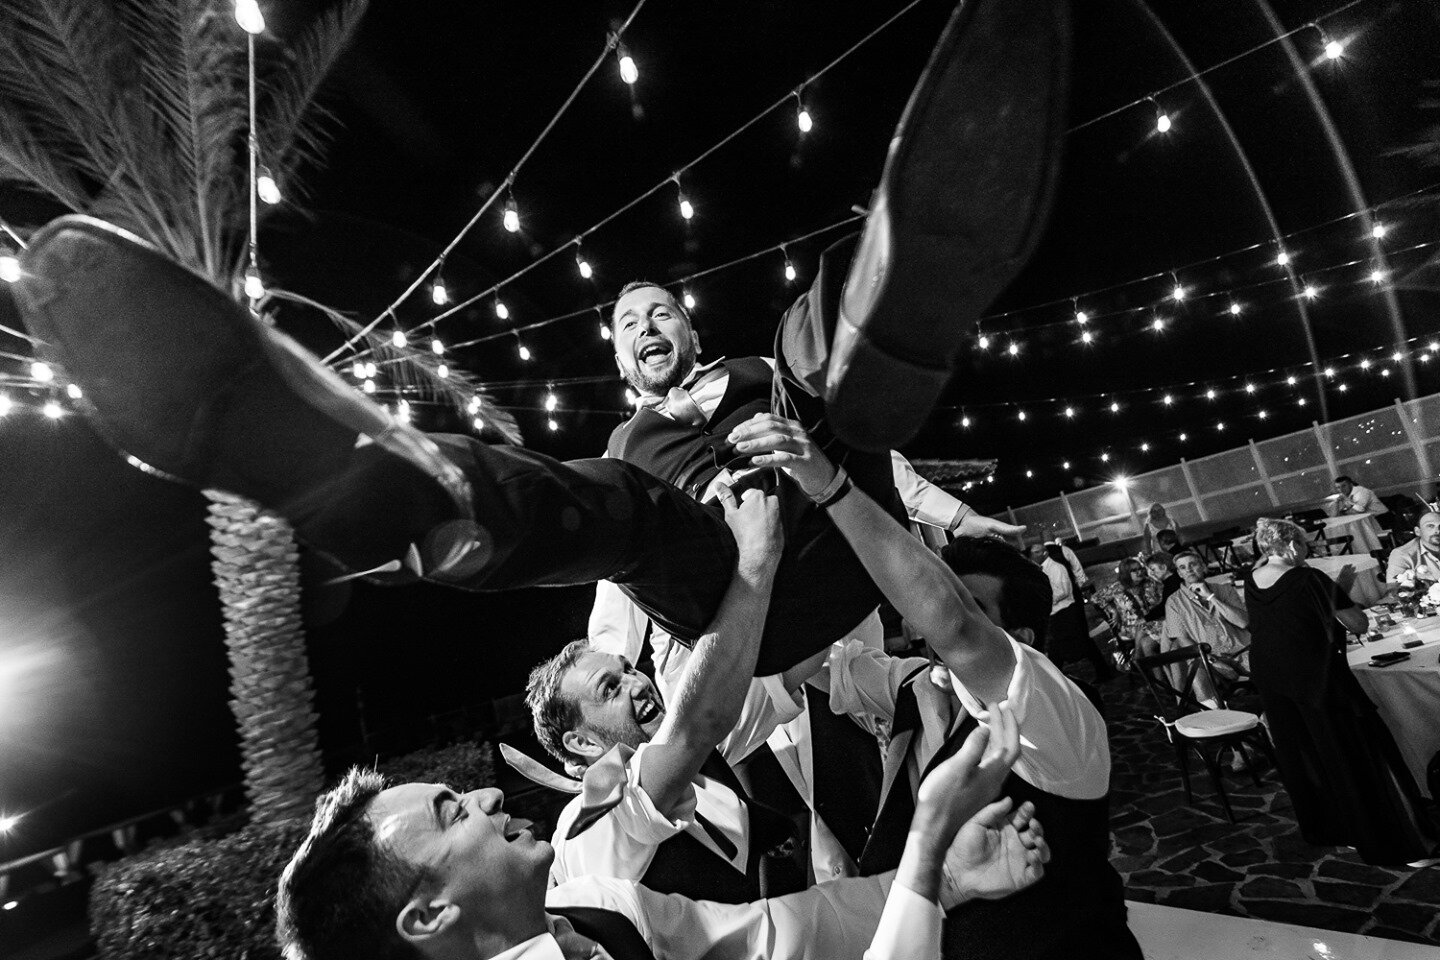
(919,584)
(712,689)
(927,503)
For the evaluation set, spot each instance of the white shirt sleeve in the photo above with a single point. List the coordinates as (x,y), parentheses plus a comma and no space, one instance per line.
(864,681)
(1075,565)
(616,625)
(924,502)
(767,705)
(909,928)
(622,843)
(835,920)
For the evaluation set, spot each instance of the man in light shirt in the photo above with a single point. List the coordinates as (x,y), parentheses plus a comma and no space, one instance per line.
(1351,497)
(974,605)
(417,870)
(1420,558)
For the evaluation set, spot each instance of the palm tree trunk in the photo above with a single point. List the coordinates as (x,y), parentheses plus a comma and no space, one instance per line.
(256,567)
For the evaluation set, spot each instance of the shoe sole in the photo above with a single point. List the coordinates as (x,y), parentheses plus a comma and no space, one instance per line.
(904,321)
(274,421)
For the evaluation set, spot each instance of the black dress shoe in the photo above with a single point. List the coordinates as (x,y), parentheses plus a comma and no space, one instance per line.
(186,384)
(963,200)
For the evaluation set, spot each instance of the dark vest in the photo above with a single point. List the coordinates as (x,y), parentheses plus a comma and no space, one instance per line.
(1076,910)
(613,931)
(684,865)
(821,591)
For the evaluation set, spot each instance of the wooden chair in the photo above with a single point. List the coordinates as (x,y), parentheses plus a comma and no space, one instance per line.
(1339,545)
(1191,726)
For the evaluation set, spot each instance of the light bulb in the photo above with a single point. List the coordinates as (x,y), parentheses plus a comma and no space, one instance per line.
(1013,349)
(1249,388)
(1114,407)
(248,15)
(1104,458)
(1290,380)
(1210,394)
(789,272)
(398,339)
(1365,364)
(1334,50)
(254,286)
(1329,371)
(1167,400)
(1385,372)
(1377,276)
(1261,413)
(501,311)
(1234,309)
(629,72)
(1220,425)
(1310,292)
(473,406)
(983,343)
(965,422)
(524,352)
(371,370)
(604,331)
(1029,474)
(1184,437)
(803,121)
(552,424)
(1021,416)
(1070,412)
(402,411)
(265,186)
(368,386)
(1378,231)
(52,410)
(687,209)
(1301,401)
(1395,356)
(437,347)
(1081,316)
(41,372)
(1343,387)
(443,371)
(1282,258)
(1157,324)
(551,402)
(1432,346)
(511,218)
(6,404)
(478,424)
(1144,448)
(689,300)
(9,267)
(1162,122)
(1178,293)
(1065,465)
(438,293)
(72,390)
(583,266)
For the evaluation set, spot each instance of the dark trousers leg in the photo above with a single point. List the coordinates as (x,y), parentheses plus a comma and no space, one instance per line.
(802,345)
(539,522)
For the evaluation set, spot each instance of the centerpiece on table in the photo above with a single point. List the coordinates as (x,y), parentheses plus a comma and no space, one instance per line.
(1416,594)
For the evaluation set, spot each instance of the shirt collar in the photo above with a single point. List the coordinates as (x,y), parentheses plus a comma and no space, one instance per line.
(691,379)
(542,947)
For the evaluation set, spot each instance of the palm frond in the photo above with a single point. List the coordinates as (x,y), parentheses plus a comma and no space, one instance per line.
(295,130)
(416,372)
(27,162)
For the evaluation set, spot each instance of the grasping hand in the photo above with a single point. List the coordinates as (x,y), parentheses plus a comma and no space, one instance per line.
(978,525)
(997,853)
(957,790)
(773,441)
(755,522)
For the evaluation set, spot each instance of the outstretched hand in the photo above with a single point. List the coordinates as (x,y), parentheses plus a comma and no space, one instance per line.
(979,525)
(998,853)
(772,441)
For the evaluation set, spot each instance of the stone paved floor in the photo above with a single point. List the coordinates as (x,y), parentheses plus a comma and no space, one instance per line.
(1189,855)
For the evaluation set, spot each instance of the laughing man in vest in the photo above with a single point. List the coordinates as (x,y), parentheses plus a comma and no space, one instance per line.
(418,871)
(659,802)
(232,404)
(980,605)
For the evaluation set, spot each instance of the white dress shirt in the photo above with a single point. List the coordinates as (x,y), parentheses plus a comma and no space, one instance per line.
(829,921)
(1064,748)
(1361,500)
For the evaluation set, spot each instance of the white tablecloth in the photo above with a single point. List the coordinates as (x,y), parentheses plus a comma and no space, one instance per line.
(1366,589)
(1406,693)
(1362,526)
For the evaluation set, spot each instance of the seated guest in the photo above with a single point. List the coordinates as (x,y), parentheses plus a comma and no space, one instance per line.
(674,815)
(981,606)
(1420,557)
(1168,541)
(1160,566)
(1340,766)
(417,870)
(1350,497)
(1202,612)
(1156,522)
(1125,603)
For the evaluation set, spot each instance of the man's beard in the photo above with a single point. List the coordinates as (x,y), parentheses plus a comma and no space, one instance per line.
(629,734)
(658,386)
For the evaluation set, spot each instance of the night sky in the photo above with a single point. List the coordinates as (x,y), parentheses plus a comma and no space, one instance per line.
(105,598)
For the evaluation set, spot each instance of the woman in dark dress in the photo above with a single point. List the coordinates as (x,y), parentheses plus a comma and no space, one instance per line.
(1338,761)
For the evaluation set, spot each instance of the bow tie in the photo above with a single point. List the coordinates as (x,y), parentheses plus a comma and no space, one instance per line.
(678,404)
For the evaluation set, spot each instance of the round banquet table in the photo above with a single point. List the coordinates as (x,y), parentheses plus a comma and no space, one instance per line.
(1407,693)
(1362,526)
(1366,589)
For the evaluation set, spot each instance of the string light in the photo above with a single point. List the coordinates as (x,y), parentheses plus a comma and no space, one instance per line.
(1282,258)
(254,286)
(688,299)
(1086,336)
(629,72)
(52,410)
(72,391)
(478,424)
(1365,364)
(965,422)
(1168,400)
(802,115)
(523,350)
(511,217)
(9,266)
(1104,458)
(1290,380)
(687,209)
(1184,437)
(1249,388)
(6,404)
(248,15)
(1144,448)
(1162,119)
(1301,401)
(1220,425)
(1234,309)
(371,370)
(398,339)
(368,386)
(1311,291)
(1021,416)
(551,401)
(789,271)
(1343,387)
(1114,407)
(1157,325)
(983,343)
(443,371)
(501,311)
(437,348)
(1065,465)
(1378,231)
(402,411)
(604,330)
(1178,294)
(1070,412)
(41,372)
(265,186)
(1261,413)
(581,264)
(552,424)
(1210,394)
(1377,276)
(1395,357)
(1329,371)
(1081,317)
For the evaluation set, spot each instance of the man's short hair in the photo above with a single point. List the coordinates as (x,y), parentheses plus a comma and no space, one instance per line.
(341,892)
(640,285)
(1162,558)
(1187,553)
(1024,588)
(1344,479)
(554,714)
